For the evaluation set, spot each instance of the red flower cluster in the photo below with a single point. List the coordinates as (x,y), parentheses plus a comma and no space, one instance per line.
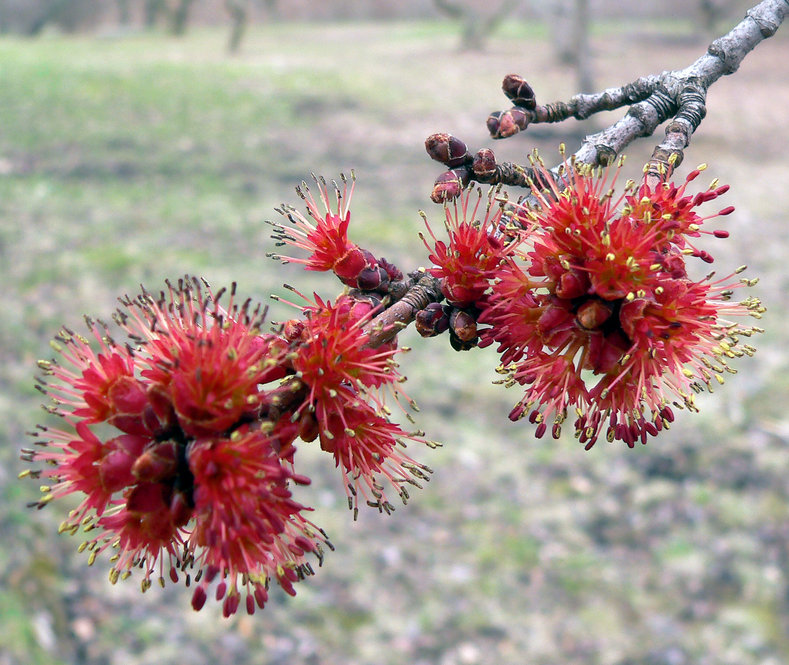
(592,308)
(327,240)
(180,440)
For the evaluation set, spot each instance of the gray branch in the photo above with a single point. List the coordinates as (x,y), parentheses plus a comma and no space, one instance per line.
(678,94)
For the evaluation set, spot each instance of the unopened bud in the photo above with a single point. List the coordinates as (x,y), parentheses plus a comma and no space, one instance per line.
(463,325)
(371,279)
(449,185)
(493,123)
(510,123)
(484,164)
(158,462)
(446,149)
(432,320)
(520,92)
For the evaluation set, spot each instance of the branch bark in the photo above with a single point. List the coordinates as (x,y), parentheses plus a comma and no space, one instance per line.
(678,94)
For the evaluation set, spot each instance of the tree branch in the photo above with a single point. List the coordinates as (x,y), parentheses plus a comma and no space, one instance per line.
(653,99)
(679,95)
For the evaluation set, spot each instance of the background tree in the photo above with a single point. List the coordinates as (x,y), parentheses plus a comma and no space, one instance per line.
(239,15)
(477,23)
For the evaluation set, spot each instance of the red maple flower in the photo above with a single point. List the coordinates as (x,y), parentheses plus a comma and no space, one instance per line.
(196,475)
(326,239)
(602,317)
(670,212)
(207,362)
(332,350)
(248,528)
(476,248)
(368,448)
(98,387)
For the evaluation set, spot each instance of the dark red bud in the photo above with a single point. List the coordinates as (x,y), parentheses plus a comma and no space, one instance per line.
(592,314)
(180,510)
(158,462)
(292,330)
(720,234)
(432,320)
(369,279)
(511,122)
(572,284)
(146,498)
(463,325)
(159,399)
(493,123)
(484,164)
(309,428)
(449,185)
(115,467)
(520,92)
(446,149)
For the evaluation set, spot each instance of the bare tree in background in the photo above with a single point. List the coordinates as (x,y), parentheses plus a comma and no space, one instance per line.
(477,25)
(153,9)
(124,13)
(239,15)
(569,22)
(179,16)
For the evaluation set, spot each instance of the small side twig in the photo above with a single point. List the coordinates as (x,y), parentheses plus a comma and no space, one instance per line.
(678,95)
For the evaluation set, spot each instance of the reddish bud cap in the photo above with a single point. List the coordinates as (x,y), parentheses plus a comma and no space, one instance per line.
(115,467)
(446,149)
(484,164)
(592,314)
(511,122)
(572,284)
(520,92)
(432,320)
(493,123)
(157,463)
(180,510)
(463,325)
(449,185)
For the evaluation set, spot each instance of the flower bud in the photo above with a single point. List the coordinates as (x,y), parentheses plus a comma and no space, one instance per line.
(432,320)
(592,314)
(158,462)
(493,123)
(371,279)
(446,149)
(449,185)
(484,164)
(463,325)
(117,462)
(520,92)
(511,122)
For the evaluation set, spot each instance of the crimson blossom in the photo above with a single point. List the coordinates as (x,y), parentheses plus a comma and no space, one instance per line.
(163,444)
(591,306)
(179,441)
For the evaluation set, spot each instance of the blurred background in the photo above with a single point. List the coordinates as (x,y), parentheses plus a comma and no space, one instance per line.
(144,139)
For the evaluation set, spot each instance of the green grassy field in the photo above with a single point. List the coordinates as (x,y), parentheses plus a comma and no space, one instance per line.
(130,159)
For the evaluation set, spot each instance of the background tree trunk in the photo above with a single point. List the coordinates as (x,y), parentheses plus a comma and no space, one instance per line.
(179,17)
(239,14)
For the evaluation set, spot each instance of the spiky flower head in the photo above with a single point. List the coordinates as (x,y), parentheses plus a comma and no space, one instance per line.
(164,445)
(592,308)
